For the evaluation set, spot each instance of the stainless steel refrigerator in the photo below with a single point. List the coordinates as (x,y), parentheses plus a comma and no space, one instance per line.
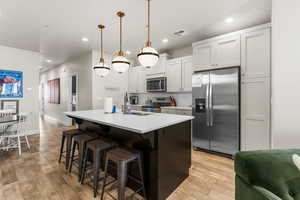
(216,108)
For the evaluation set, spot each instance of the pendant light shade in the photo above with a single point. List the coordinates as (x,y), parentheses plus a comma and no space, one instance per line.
(101,69)
(120,63)
(148,56)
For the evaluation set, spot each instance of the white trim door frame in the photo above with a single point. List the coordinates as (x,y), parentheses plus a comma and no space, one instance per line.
(70,95)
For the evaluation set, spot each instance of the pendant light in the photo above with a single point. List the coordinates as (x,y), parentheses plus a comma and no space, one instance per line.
(101,68)
(148,56)
(120,62)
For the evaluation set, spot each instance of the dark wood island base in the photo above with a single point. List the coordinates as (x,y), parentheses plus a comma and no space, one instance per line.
(166,154)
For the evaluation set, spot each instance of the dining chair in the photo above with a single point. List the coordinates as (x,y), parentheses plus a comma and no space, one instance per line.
(4,116)
(15,133)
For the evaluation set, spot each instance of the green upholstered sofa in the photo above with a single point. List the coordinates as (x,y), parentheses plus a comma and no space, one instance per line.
(267,175)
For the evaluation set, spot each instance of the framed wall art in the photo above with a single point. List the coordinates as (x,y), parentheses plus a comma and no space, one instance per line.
(11,84)
(54,91)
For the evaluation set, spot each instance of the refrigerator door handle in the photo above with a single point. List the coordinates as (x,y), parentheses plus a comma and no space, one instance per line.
(207,110)
(211,112)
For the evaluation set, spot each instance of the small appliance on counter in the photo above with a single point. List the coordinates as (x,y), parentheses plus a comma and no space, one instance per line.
(134,100)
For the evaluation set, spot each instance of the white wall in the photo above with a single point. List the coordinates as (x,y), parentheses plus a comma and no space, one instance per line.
(27,62)
(113,85)
(285,74)
(82,66)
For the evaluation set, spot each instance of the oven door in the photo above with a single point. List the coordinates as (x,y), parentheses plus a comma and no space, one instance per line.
(157,84)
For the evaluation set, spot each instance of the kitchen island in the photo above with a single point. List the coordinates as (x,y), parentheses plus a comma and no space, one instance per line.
(163,139)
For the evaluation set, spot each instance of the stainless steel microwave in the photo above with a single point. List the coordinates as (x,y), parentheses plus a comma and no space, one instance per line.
(157,84)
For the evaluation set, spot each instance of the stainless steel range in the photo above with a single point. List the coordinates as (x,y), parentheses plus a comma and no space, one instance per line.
(156,104)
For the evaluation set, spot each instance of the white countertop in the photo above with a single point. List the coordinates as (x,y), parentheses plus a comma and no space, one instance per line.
(177,107)
(134,123)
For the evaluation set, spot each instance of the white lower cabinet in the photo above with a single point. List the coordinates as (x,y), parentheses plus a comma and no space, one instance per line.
(176,111)
(179,74)
(255,112)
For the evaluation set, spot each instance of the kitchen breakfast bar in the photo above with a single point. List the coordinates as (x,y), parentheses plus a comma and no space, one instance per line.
(164,141)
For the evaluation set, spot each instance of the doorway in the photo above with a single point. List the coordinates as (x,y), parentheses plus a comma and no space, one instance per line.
(73,94)
(42,98)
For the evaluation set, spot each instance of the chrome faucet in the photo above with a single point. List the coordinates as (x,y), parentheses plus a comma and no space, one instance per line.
(125,106)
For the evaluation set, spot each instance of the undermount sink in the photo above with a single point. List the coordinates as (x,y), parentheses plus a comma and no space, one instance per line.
(138,113)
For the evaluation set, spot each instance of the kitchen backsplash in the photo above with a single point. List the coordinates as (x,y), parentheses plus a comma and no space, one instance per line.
(182,99)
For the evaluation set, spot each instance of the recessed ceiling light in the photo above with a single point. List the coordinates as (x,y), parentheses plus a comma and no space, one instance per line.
(40,67)
(48,61)
(84,39)
(128,52)
(165,40)
(229,20)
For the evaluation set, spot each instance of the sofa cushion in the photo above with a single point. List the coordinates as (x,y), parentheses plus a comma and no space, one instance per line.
(273,170)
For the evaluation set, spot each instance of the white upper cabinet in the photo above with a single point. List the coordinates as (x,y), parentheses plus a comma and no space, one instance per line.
(187,72)
(133,80)
(173,72)
(179,74)
(228,52)
(256,53)
(203,56)
(160,68)
(136,80)
(141,80)
(217,53)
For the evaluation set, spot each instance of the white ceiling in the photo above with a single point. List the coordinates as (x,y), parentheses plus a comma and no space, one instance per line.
(55,27)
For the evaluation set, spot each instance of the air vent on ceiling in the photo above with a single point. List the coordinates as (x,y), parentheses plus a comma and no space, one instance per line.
(179,34)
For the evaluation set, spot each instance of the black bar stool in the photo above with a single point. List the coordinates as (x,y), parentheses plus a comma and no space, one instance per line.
(97,148)
(80,142)
(122,157)
(68,134)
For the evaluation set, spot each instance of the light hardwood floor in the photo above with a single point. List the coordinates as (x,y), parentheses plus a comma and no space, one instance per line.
(36,175)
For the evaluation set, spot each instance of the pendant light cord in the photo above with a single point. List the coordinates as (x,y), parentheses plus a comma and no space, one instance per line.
(148,21)
(101,43)
(120,34)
